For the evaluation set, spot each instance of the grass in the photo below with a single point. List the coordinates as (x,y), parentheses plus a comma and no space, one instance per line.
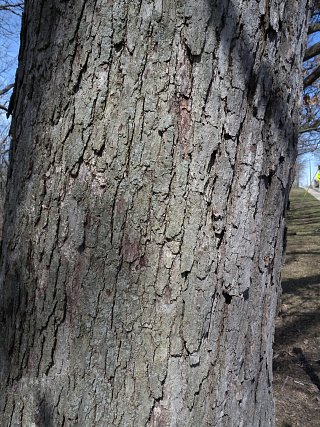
(297,340)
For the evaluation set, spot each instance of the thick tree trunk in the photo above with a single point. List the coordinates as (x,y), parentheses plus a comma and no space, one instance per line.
(3,172)
(153,142)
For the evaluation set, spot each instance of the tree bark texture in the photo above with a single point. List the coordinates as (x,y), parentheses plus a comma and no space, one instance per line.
(153,142)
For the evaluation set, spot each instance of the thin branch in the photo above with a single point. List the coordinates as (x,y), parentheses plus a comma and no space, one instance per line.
(312,77)
(6,89)
(10,6)
(313,27)
(14,8)
(314,128)
(4,108)
(312,51)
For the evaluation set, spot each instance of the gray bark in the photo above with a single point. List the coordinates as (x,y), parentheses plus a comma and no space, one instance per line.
(153,144)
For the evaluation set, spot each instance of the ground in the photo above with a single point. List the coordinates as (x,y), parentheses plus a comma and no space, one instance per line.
(297,340)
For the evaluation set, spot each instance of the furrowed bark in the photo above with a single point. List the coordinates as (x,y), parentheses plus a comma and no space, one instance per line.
(153,144)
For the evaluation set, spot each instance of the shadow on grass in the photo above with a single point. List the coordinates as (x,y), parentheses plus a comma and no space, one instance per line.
(307,367)
(303,324)
(296,286)
(303,253)
(296,344)
(287,363)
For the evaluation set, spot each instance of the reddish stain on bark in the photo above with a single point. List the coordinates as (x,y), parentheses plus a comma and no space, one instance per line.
(130,249)
(160,416)
(31,363)
(143,261)
(73,294)
(140,262)
(185,126)
(253,149)
(108,292)
(120,205)
(167,295)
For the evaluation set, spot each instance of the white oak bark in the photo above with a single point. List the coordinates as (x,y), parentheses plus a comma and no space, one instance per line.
(151,161)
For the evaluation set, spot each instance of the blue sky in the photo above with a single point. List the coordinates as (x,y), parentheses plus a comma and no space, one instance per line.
(9,44)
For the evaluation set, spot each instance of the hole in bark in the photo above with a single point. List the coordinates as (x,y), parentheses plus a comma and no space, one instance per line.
(81,248)
(219,236)
(118,46)
(281,159)
(211,161)
(195,58)
(252,86)
(272,34)
(227,136)
(246,295)
(185,274)
(192,58)
(98,152)
(268,179)
(227,297)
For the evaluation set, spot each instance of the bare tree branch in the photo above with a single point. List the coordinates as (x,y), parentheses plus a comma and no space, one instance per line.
(10,6)
(14,8)
(314,128)
(313,27)
(312,51)
(6,89)
(312,77)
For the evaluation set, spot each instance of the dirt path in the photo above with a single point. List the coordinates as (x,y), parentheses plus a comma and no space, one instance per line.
(297,341)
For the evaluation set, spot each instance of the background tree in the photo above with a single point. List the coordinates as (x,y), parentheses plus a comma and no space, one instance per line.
(10,15)
(299,170)
(310,118)
(150,165)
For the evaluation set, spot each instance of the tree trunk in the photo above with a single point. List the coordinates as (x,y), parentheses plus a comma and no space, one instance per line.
(153,143)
